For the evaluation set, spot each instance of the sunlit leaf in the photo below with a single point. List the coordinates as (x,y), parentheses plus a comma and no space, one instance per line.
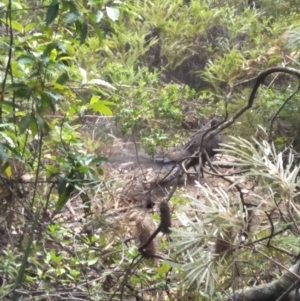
(29,26)
(51,169)
(92,261)
(75,273)
(8,171)
(113,13)
(83,74)
(17,26)
(99,16)
(14,24)
(100,82)
(164,268)
(49,49)
(53,55)
(94,99)
(64,59)
(101,108)
(59,87)
(72,17)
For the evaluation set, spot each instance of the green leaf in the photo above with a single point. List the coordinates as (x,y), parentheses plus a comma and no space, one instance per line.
(103,240)
(75,273)
(9,104)
(82,110)
(46,102)
(62,46)
(101,108)
(25,59)
(73,6)
(113,13)
(72,17)
(63,78)
(15,87)
(98,32)
(12,149)
(64,196)
(52,12)
(29,26)
(28,122)
(48,49)
(14,24)
(20,89)
(94,99)
(96,2)
(8,171)
(17,26)
(53,95)
(61,184)
(43,125)
(51,169)
(96,17)
(92,261)
(78,26)
(25,123)
(83,34)
(98,160)
(107,103)
(33,125)
(65,59)
(54,257)
(64,193)
(164,268)
(59,87)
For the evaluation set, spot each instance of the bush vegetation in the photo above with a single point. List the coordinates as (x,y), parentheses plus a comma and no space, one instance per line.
(162,69)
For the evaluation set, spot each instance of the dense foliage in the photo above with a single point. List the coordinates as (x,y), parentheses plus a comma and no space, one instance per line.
(162,69)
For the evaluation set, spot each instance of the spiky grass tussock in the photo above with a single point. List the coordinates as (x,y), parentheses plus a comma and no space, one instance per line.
(212,228)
